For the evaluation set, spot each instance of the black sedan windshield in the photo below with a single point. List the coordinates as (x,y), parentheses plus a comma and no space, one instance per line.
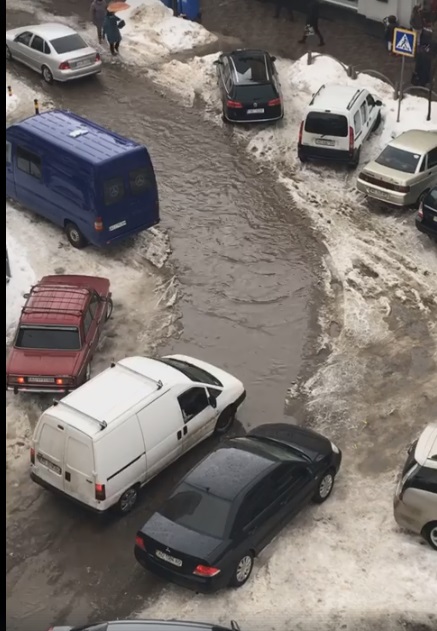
(197,510)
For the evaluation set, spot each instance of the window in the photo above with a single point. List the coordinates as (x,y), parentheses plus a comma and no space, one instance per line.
(213,392)
(425,479)
(250,69)
(8,152)
(38,43)
(46,48)
(370,101)
(87,321)
(432,158)
(399,160)
(197,510)
(192,402)
(363,110)
(140,181)
(256,501)
(284,477)
(79,457)
(326,124)
(113,190)
(192,372)
(257,93)
(24,38)
(357,123)
(29,163)
(68,44)
(94,304)
(61,338)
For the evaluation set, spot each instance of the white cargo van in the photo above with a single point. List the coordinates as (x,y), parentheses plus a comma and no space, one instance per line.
(109,437)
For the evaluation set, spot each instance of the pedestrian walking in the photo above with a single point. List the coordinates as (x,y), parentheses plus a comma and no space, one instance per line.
(284,4)
(98,14)
(422,68)
(312,23)
(416,19)
(391,22)
(111,29)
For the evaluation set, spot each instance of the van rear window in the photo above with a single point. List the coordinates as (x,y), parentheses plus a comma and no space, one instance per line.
(325,124)
(140,181)
(113,190)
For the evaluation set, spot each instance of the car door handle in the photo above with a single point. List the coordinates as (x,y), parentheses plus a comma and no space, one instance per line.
(179,434)
(185,430)
(68,476)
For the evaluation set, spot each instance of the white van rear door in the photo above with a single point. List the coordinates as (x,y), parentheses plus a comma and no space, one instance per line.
(49,445)
(79,466)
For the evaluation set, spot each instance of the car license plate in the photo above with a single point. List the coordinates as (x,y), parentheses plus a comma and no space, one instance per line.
(41,380)
(49,465)
(115,226)
(168,558)
(259,110)
(324,142)
(85,62)
(376,193)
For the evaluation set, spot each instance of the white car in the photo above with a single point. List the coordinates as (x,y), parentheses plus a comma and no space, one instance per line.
(56,51)
(113,434)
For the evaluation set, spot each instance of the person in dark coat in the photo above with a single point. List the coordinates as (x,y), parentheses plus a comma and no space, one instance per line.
(312,22)
(422,68)
(111,28)
(391,23)
(98,14)
(284,4)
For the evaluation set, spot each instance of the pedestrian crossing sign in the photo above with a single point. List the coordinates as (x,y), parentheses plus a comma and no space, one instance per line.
(404,42)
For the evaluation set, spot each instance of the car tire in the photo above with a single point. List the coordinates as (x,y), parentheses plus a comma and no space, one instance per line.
(225,420)
(377,122)
(355,162)
(47,74)
(429,533)
(75,236)
(325,486)
(303,159)
(127,501)
(8,54)
(243,570)
(109,309)
(420,198)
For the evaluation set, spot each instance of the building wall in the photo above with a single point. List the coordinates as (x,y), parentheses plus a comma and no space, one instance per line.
(378,10)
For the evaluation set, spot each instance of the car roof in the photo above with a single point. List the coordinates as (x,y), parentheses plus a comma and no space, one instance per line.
(163,625)
(50,30)
(228,470)
(330,97)
(60,304)
(415,140)
(426,449)
(103,400)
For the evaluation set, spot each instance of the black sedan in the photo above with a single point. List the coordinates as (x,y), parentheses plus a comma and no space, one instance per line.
(249,86)
(426,219)
(149,625)
(207,533)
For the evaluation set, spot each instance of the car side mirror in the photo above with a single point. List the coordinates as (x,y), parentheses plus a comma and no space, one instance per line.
(217,62)
(212,401)
(378,103)
(27,295)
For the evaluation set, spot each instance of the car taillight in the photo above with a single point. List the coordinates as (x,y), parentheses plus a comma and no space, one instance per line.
(64,65)
(98,224)
(98,57)
(100,492)
(401,189)
(274,102)
(351,139)
(300,133)
(420,211)
(139,541)
(205,570)
(236,105)
(32,455)
(20,380)
(64,381)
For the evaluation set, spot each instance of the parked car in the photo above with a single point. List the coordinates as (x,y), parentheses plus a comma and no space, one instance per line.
(149,625)
(426,218)
(55,51)
(404,171)
(103,442)
(415,501)
(338,120)
(95,184)
(249,86)
(206,535)
(57,335)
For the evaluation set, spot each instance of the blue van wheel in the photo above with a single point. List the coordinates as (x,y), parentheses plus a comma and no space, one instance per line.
(75,236)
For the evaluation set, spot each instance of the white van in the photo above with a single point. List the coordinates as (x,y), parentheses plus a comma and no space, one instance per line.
(109,437)
(338,120)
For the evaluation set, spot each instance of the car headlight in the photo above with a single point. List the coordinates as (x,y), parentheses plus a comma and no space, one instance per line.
(334,448)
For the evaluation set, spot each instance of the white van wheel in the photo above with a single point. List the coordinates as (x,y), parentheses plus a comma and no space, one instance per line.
(429,533)
(128,500)
(225,420)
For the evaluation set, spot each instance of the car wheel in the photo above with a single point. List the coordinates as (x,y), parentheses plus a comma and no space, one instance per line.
(377,122)
(128,500)
(75,236)
(8,53)
(324,488)
(242,571)
(225,420)
(429,533)
(109,308)
(47,74)
(355,162)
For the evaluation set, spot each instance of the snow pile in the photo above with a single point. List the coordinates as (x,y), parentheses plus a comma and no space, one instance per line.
(22,277)
(21,104)
(11,101)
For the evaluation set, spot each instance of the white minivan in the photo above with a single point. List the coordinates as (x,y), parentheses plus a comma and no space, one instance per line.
(105,440)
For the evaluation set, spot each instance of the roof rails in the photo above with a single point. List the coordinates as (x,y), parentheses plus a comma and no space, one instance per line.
(37,289)
(103,424)
(317,94)
(353,99)
(158,383)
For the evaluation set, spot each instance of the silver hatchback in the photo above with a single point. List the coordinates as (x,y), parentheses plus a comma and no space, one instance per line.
(54,50)
(404,171)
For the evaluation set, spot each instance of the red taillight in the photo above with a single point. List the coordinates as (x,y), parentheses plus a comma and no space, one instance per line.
(140,542)
(98,224)
(21,380)
(100,492)
(64,65)
(205,570)
(300,133)
(32,455)
(420,211)
(59,382)
(236,105)
(97,57)
(351,139)
(274,102)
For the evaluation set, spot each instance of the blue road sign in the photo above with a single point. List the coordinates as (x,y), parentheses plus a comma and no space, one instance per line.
(404,42)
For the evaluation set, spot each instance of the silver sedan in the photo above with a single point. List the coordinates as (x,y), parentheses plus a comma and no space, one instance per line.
(54,50)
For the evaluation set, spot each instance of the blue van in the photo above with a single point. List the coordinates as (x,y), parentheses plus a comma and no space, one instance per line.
(97,185)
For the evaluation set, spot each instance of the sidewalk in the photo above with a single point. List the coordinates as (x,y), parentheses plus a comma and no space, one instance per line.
(349,37)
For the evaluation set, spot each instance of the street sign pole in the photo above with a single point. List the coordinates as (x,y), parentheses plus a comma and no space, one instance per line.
(401,90)
(404,44)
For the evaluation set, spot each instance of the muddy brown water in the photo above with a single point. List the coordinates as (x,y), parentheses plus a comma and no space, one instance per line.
(246,265)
